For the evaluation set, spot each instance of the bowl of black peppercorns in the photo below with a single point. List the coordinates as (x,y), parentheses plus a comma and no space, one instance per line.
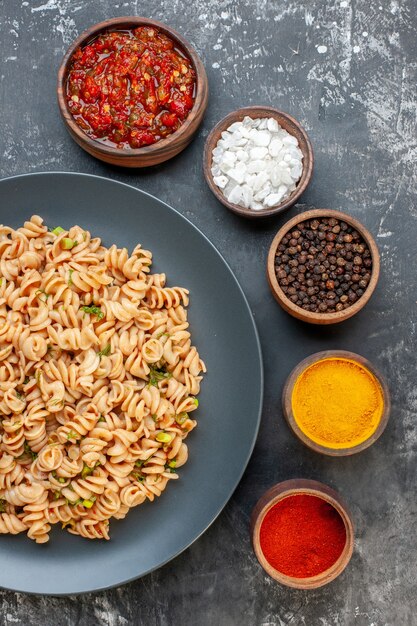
(323,266)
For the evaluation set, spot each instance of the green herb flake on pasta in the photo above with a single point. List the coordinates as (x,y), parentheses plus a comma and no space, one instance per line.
(43,293)
(156,375)
(93,310)
(86,471)
(106,351)
(28,450)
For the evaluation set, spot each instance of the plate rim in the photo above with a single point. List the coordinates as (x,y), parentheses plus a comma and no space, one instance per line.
(225,500)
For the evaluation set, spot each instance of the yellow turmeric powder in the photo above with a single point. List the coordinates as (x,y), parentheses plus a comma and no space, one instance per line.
(337,402)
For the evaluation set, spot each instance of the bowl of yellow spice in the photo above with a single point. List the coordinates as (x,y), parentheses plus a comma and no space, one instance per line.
(336,402)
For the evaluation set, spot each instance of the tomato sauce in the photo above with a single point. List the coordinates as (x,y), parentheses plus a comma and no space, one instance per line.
(130,88)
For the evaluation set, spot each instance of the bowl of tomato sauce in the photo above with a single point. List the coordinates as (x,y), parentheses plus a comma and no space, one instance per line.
(132,91)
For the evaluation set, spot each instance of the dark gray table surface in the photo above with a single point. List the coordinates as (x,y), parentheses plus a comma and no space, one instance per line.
(347,70)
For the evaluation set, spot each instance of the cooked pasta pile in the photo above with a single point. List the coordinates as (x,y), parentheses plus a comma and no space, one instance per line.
(98,378)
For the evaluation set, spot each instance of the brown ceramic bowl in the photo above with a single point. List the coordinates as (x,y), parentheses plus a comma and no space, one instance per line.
(309,487)
(291,126)
(148,155)
(316,317)
(287,402)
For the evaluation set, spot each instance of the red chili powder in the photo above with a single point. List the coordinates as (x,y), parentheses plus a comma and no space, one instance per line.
(302,536)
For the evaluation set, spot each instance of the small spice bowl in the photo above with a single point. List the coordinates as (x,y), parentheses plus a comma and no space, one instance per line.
(317,317)
(288,123)
(366,367)
(307,487)
(163,149)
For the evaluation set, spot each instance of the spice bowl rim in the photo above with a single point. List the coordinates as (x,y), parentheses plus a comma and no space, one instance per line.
(289,415)
(290,123)
(301,486)
(161,150)
(317,317)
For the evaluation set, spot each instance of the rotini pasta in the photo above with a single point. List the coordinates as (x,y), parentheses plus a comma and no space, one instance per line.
(98,378)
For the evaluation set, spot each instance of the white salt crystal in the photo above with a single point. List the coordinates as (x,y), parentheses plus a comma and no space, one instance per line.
(286,177)
(220,181)
(235,196)
(272,125)
(260,137)
(227,141)
(245,131)
(217,151)
(225,166)
(238,174)
(275,147)
(263,123)
(273,199)
(275,175)
(263,193)
(250,179)
(242,155)
(258,153)
(295,172)
(290,139)
(229,157)
(235,126)
(256,206)
(260,180)
(247,196)
(256,166)
(230,185)
(295,152)
(240,142)
(215,170)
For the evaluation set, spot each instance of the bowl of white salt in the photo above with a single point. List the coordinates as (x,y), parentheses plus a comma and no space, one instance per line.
(258,161)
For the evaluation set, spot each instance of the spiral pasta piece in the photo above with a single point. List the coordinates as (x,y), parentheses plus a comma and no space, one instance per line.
(11,524)
(35,519)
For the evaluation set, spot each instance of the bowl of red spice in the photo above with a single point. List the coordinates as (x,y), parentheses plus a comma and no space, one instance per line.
(323,266)
(132,91)
(302,533)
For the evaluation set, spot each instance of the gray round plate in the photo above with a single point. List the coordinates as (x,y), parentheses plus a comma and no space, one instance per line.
(230,402)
